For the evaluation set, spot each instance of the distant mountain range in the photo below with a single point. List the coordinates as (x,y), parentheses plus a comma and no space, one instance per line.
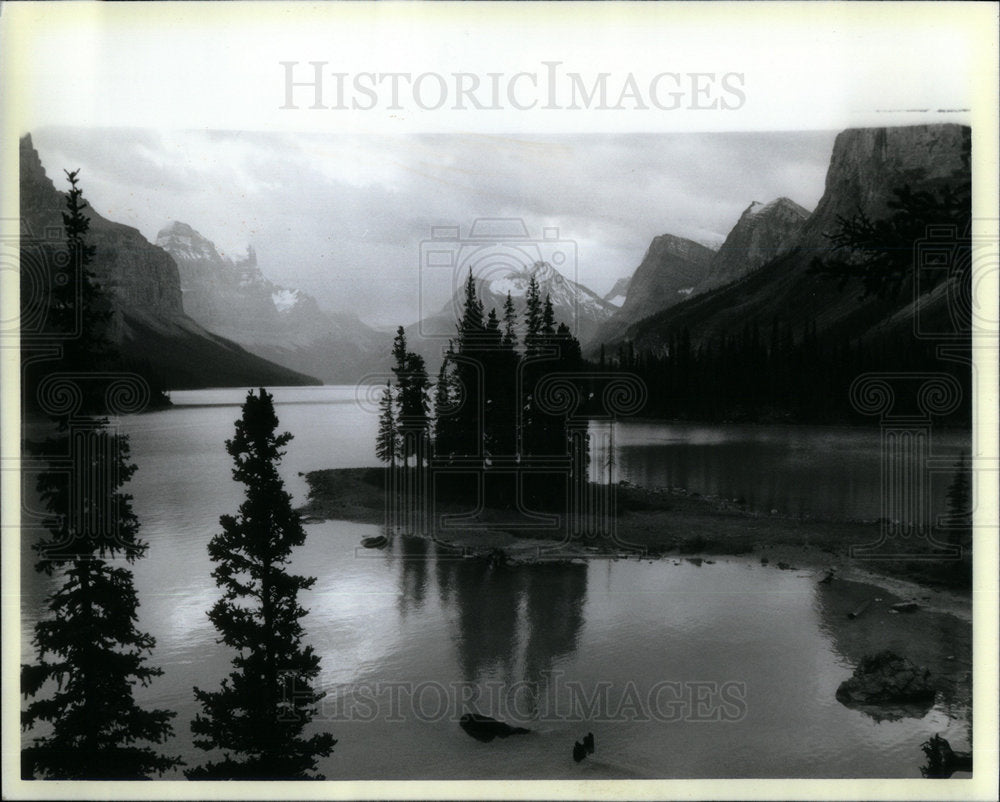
(234,299)
(193,317)
(579,307)
(150,328)
(762,270)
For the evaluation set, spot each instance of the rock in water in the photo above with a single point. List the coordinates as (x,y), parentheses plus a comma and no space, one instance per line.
(579,751)
(886,678)
(485,729)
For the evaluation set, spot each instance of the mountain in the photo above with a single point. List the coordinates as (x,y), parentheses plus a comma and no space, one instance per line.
(668,274)
(579,307)
(233,298)
(865,167)
(763,232)
(153,334)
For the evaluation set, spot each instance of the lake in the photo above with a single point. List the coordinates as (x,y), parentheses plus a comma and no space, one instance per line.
(721,670)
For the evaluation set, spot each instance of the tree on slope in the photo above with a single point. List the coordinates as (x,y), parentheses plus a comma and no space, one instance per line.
(258,715)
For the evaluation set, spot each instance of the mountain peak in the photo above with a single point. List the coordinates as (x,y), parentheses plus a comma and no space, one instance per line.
(763,232)
(782,204)
(671,267)
(177,227)
(543,272)
(184,243)
(574,304)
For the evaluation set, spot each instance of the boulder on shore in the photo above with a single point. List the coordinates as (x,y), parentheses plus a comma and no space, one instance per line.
(886,678)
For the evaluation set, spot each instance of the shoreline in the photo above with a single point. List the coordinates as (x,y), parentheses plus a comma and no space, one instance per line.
(659,523)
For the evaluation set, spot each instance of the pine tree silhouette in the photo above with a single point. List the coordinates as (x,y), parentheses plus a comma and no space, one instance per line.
(387,445)
(90,655)
(258,715)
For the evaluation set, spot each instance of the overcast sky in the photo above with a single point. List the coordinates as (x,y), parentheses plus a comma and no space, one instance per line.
(342,217)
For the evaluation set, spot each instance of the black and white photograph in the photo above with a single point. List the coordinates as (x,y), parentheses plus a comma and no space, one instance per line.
(498,427)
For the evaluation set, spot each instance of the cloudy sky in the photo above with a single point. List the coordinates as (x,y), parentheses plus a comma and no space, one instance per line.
(342,217)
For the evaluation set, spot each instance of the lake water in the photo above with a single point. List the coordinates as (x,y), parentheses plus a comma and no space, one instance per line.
(723,670)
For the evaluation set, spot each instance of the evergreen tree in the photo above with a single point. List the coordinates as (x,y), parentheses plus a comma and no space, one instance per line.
(399,355)
(258,715)
(91,350)
(467,422)
(881,252)
(445,396)
(387,444)
(413,398)
(495,385)
(414,408)
(509,323)
(548,317)
(89,649)
(533,317)
(79,316)
(472,313)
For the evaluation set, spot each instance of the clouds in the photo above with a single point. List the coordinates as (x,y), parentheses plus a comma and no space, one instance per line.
(342,216)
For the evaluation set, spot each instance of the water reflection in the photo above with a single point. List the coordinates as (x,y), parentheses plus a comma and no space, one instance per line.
(555,599)
(486,603)
(415,553)
(512,623)
(816,471)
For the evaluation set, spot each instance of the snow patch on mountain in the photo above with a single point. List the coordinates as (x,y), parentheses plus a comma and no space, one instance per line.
(285,299)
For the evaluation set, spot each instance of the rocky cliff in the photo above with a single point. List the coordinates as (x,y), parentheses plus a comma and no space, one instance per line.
(668,274)
(763,232)
(149,326)
(140,276)
(866,165)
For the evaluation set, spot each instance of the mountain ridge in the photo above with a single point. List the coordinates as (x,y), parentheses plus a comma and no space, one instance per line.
(669,272)
(866,165)
(149,326)
(233,297)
